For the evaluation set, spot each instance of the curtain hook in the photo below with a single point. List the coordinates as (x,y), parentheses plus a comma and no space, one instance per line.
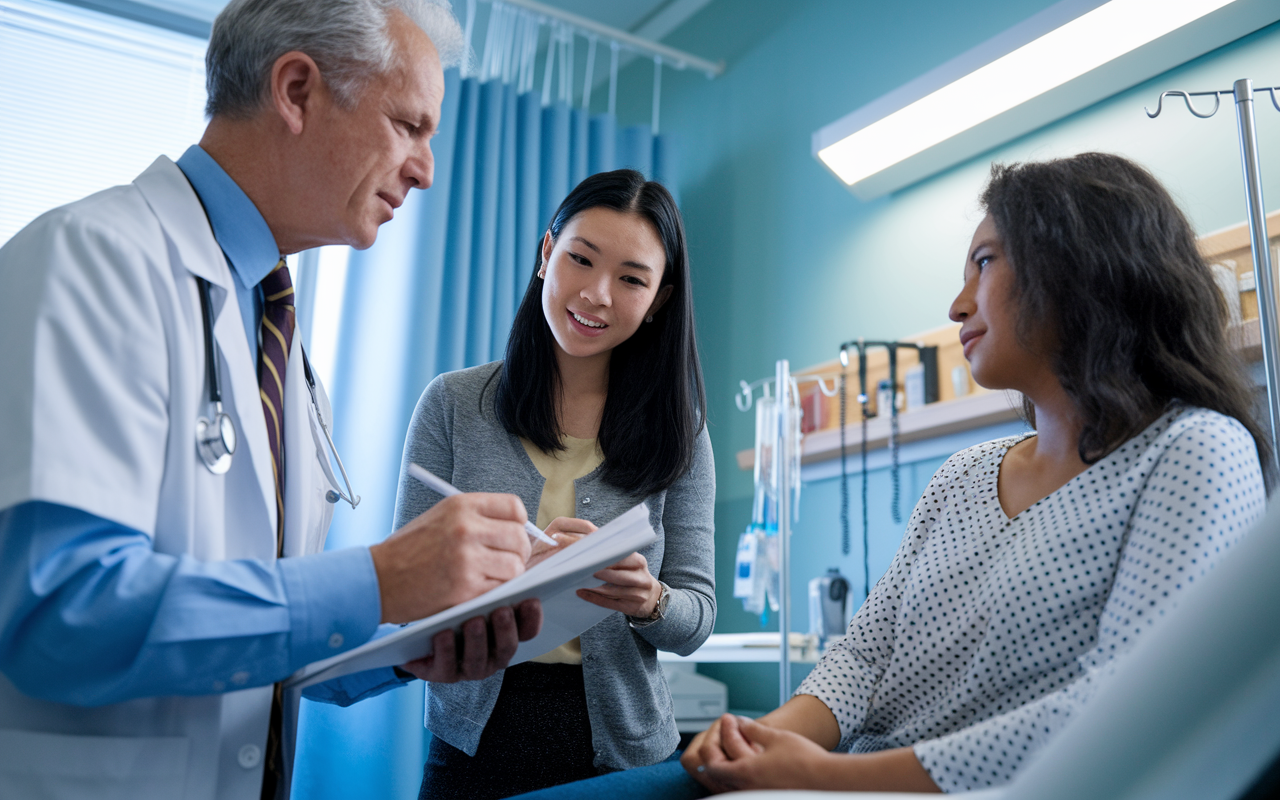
(490,35)
(613,78)
(590,73)
(548,65)
(464,68)
(657,91)
(566,74)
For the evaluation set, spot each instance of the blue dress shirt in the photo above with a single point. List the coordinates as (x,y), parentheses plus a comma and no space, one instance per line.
(90,614)
(242,233)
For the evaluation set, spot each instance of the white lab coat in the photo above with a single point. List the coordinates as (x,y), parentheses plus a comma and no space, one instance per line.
(114,385)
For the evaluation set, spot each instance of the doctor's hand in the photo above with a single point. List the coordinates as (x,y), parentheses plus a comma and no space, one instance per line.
(480,649)
(566,531)
(461,548)
(628,588)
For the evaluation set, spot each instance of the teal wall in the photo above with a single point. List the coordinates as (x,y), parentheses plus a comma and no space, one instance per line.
(788,263)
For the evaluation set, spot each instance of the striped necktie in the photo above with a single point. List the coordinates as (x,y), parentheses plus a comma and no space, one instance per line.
(276,336)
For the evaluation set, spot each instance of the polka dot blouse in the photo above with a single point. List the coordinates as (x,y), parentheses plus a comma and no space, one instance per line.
(987,633)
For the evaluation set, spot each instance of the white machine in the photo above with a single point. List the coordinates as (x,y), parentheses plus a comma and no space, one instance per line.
(698,700)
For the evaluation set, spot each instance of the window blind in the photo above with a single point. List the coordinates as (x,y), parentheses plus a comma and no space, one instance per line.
(87,101)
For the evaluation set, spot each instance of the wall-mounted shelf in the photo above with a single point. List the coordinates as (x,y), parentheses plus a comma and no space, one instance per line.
(1222,243)
(981,408)
(935,419)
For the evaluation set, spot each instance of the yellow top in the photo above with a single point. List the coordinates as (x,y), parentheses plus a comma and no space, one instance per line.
(560,469)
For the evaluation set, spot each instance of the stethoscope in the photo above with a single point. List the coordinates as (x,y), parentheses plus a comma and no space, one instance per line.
(216,437)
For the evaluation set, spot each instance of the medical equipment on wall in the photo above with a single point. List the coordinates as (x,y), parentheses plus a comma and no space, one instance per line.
(1242,93)
(830,607)
(216,435)
(913,387)
(889,399)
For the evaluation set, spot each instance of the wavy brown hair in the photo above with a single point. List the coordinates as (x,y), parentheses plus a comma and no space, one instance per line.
(1104,257)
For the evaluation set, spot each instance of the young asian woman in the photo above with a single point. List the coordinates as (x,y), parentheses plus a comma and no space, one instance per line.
(1032,563)
(597,406)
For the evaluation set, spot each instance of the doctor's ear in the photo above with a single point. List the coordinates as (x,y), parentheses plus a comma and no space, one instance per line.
(295,85)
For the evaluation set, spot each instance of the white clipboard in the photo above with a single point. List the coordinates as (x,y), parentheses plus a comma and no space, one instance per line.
(555,581)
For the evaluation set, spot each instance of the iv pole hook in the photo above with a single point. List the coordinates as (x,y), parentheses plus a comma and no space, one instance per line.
(1186,96)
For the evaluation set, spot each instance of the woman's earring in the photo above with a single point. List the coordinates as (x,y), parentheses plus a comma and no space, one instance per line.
(542,273)
(649,318)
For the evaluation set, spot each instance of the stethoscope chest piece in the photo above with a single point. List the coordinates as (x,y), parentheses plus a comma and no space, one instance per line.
(216,441)
(216,438)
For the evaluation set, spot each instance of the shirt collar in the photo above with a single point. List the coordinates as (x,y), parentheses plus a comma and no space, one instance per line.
(237,224)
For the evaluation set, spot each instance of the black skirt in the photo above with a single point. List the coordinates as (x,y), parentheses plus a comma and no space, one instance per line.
(538,735)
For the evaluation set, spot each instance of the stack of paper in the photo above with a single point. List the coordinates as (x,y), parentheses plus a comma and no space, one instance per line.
(555,581)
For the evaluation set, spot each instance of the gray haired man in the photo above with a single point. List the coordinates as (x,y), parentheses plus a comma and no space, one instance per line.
(166,484)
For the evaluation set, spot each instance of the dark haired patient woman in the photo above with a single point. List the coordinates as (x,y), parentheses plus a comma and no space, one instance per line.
(1031,563)
(597,406)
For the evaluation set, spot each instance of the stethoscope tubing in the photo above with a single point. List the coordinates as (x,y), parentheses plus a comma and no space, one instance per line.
(211,366)
(214,379)
(350,496)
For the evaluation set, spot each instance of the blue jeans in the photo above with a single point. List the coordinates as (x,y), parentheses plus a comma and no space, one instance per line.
(666,780)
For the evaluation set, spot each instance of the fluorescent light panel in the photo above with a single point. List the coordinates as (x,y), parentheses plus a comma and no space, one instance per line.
(1065,53)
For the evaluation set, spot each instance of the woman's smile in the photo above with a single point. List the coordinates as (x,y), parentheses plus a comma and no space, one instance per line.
(586,324)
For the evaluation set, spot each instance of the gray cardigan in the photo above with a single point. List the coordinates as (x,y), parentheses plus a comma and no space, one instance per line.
(455,435)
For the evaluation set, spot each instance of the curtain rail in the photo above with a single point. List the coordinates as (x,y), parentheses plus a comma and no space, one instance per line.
(670,56)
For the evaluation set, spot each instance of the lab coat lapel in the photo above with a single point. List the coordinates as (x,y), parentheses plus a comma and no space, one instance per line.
(176,205)
(178,209)
(229,331)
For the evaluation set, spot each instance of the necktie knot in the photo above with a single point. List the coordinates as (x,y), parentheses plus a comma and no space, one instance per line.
(277,287)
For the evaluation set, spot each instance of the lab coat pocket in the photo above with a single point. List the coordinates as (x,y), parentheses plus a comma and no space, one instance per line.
(51,765)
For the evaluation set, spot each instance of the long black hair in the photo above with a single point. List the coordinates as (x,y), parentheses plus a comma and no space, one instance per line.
(1103,257)
(656,405)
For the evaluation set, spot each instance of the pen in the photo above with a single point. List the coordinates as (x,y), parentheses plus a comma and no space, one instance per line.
(441,486)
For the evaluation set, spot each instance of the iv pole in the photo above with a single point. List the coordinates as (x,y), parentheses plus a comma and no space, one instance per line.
(1242,93)
(785,443)
(783,448)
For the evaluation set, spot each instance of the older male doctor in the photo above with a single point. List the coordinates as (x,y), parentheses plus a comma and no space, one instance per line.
(153,588)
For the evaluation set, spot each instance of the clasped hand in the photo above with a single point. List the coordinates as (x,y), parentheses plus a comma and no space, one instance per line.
(785,750)
(737,754)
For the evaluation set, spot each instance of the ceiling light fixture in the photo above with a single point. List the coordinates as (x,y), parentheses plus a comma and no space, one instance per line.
(1056,50)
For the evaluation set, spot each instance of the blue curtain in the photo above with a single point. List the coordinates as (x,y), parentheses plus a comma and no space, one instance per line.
(437,293)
